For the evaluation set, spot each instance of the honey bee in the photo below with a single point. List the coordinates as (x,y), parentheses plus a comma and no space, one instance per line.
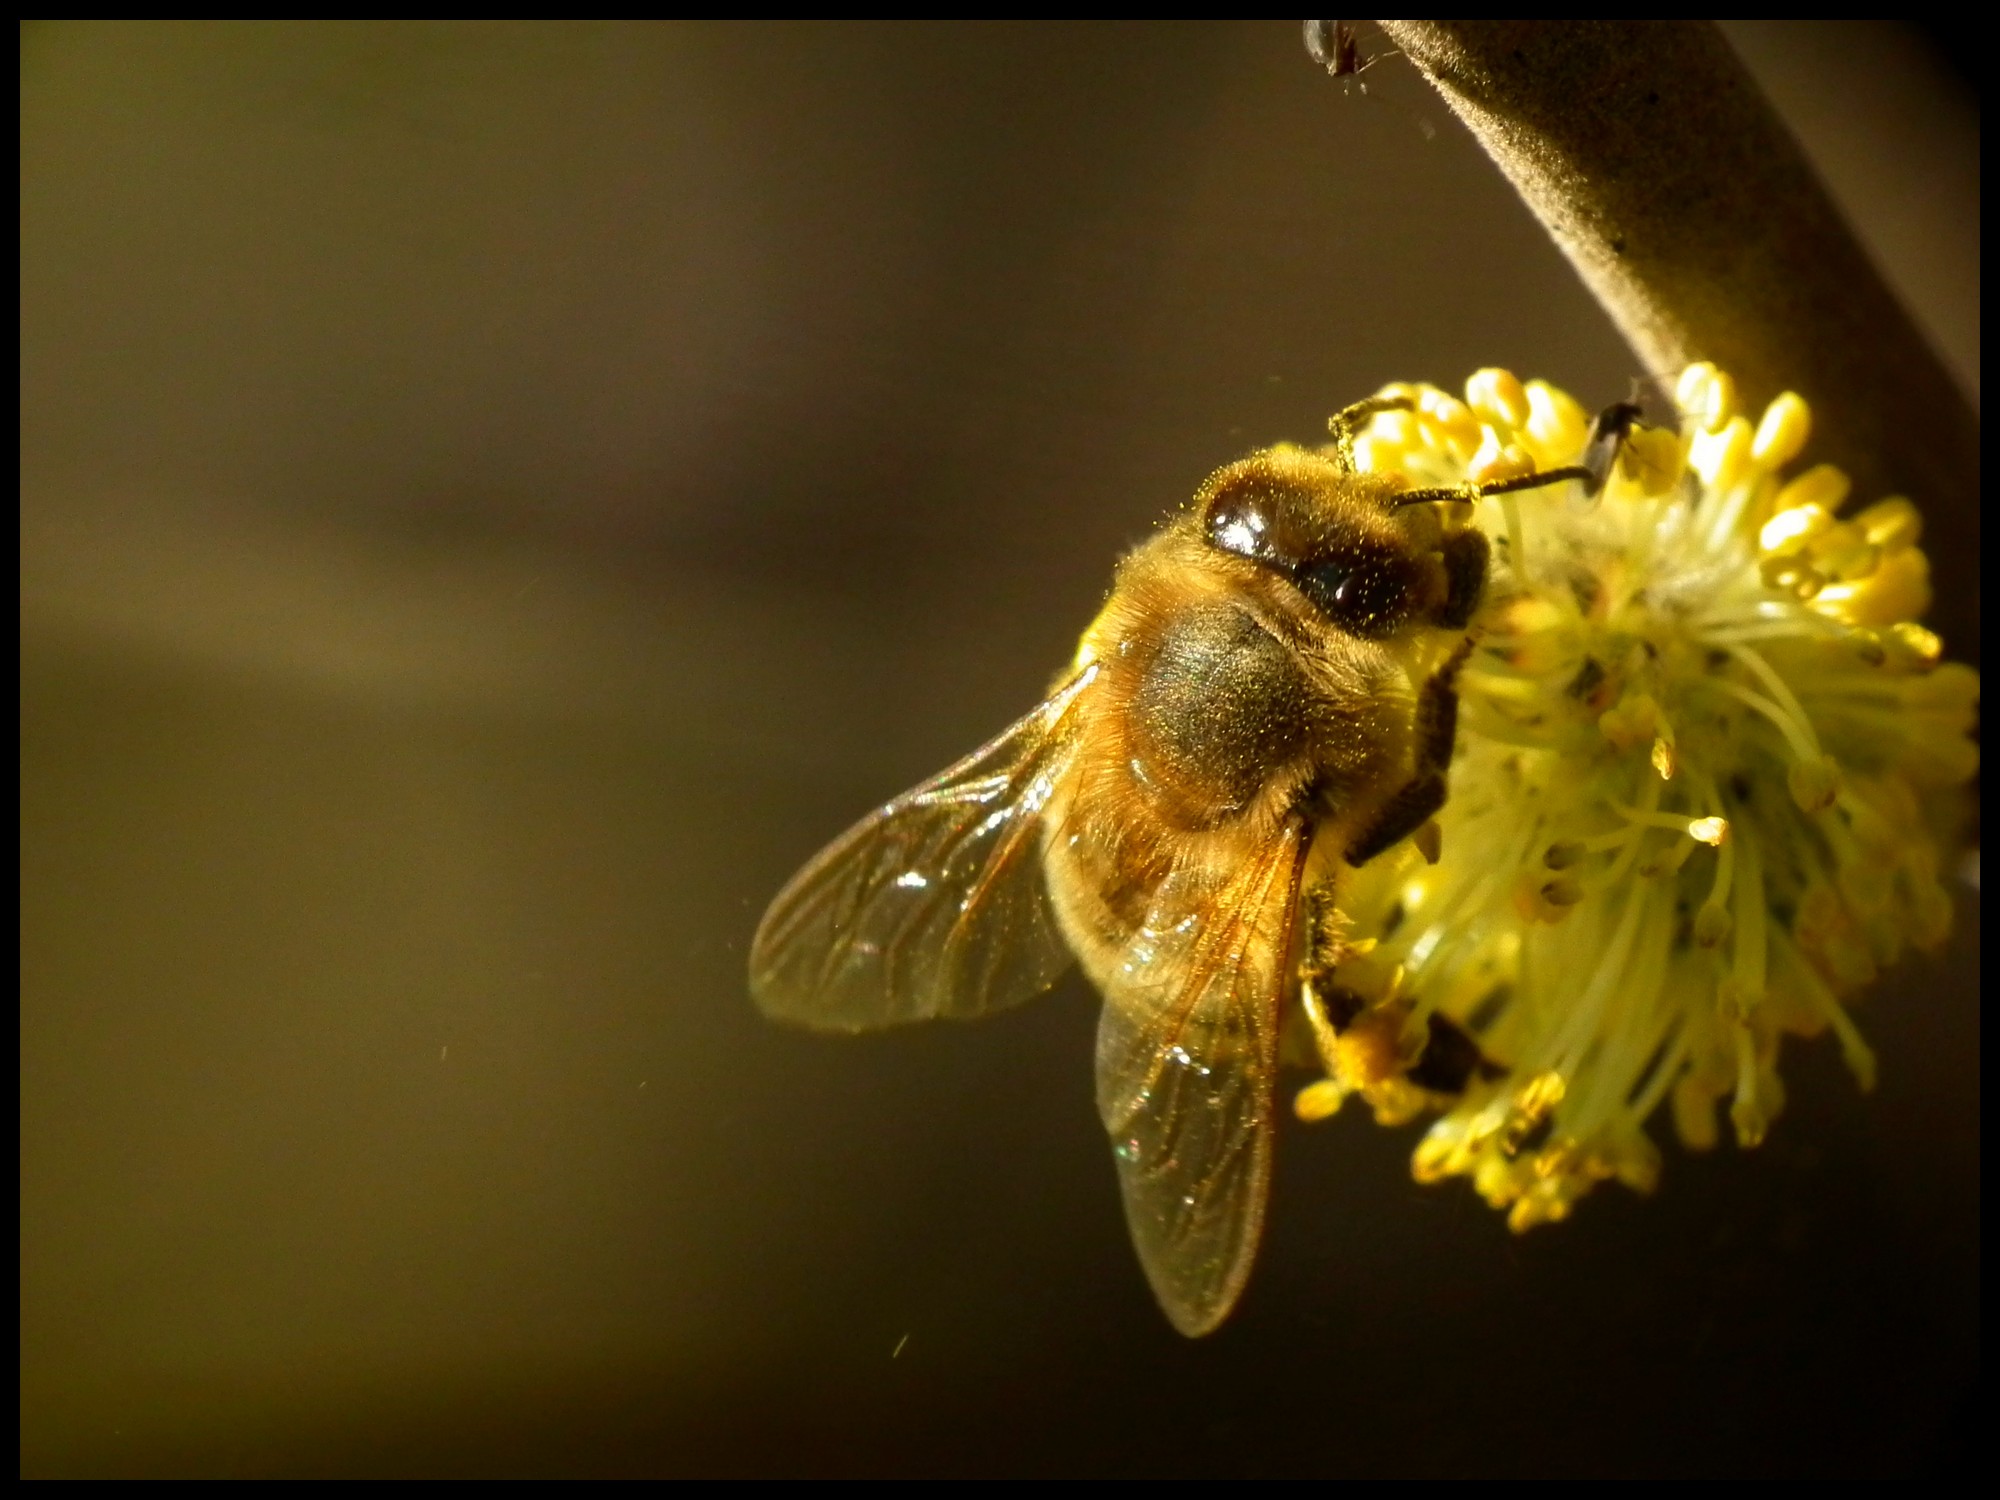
(1266,699)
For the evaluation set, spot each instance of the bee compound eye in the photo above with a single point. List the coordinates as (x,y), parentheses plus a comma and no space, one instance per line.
(1256,515)
(1368,596)
(1240,520)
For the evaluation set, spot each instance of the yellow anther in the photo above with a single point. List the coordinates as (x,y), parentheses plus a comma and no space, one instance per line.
(1891,524)
(1713,832)
(1652,458)
(1373,456)
(1320,1100)
(1543,1093)
(1435,1158)
(1822,485)
(1719,406)
(1793,527)
(1692,388)
(1452,421)
(1556,423)
(1783,432)
(1720,457)
(1526,614)
(1849,564)
(1528,1212)
(1497,397)
(1916,644)
(1493,463)
(1867,647)
(1494,1181)
(1398,428)
(1708,395)
(1665,761)
(1558,1159)
(1788,574)
(1898,589)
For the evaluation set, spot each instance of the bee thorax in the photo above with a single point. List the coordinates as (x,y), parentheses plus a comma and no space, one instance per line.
(1219,710)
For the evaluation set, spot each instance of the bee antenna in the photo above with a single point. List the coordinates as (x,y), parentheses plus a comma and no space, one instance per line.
(1537,480)
(1463,494)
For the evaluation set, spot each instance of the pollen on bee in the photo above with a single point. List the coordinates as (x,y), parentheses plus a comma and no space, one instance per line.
(914,880)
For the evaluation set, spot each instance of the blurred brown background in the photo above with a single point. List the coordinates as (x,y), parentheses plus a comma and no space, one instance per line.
(495,499)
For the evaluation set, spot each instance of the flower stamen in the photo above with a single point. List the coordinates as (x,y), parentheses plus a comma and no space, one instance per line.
(1707,660)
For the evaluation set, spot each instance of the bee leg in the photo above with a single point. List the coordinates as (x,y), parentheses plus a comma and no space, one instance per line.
(1466,555)
(1329,1007)
(1401,816)
(1436,733)
(1325,940)
(1349,420)
(1450,1059)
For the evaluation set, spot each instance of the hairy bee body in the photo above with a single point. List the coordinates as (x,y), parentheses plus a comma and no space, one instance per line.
(1224,706)
(1265,700)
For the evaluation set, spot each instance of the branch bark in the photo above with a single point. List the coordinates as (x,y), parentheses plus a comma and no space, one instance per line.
(1654,161)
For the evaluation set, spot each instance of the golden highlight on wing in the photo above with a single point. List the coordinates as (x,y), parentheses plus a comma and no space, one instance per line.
(933,905)
(1187,1050)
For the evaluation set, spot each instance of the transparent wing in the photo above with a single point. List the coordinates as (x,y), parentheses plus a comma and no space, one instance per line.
(933,905)
(1186,1055)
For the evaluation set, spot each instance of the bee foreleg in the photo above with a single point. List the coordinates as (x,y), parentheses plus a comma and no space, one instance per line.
(1436,732)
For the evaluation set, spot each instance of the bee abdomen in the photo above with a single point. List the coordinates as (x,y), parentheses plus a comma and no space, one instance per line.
(1221,707)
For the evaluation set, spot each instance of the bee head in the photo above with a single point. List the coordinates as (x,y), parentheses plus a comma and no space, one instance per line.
(1371,567)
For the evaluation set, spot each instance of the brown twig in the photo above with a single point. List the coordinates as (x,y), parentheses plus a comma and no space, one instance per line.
(1654,161)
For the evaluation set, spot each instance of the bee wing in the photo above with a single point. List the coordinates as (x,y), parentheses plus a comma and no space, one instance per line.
(933,905)
(1187,1051)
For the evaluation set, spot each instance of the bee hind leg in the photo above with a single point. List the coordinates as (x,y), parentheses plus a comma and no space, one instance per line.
(1451,1059)
(1329,1007)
